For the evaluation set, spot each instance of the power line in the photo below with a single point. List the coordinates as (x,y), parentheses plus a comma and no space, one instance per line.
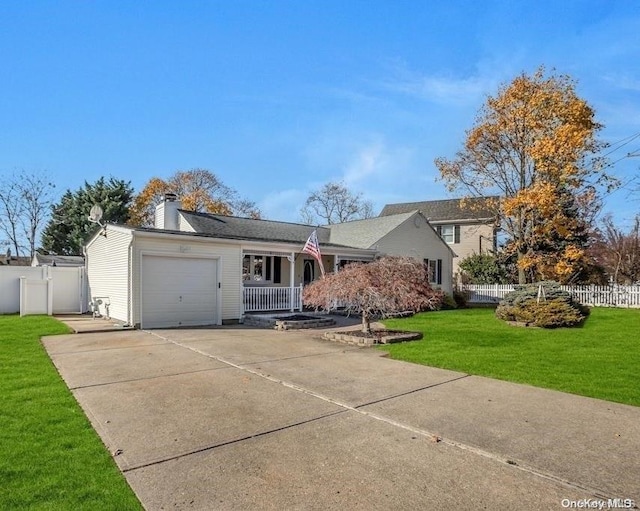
(621,143)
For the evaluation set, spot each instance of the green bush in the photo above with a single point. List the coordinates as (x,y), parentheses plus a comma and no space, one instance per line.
(448,303)
(460,297)
(483,269)
(552,309)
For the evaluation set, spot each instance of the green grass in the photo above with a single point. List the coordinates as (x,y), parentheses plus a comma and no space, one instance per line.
(601,359)
(50,456)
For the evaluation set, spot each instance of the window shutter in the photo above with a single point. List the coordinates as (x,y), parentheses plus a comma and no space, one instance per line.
(456,236)
(439,272)
(277,269)
(267,263)
(439,230)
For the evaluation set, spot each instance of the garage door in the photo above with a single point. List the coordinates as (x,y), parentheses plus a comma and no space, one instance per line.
(178,291)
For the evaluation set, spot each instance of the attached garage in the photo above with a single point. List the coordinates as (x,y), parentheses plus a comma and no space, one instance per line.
(179,291)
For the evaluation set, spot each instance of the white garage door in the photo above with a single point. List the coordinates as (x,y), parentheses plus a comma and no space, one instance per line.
(178,291)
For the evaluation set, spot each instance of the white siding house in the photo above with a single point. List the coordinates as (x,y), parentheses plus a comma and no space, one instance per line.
(416,238)
(156,279)
(108,277)
(204,269)
(406,234)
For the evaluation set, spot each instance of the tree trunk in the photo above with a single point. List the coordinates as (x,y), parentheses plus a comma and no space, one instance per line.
(366,323)
(522,277)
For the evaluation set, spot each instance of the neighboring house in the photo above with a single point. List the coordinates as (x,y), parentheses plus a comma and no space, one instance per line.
(468,226)
(9,260)
(199,269)
(56,260)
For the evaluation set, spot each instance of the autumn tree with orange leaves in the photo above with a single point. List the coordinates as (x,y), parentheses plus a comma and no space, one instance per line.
(198,189)
(535,145)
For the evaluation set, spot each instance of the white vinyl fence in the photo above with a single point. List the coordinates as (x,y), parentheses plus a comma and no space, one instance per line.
(42,290)
(605,296)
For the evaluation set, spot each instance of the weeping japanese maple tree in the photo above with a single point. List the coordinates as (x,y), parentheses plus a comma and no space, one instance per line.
(386,286)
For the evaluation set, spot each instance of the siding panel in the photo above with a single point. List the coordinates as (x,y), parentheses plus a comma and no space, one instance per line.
(107,270)
(420,242)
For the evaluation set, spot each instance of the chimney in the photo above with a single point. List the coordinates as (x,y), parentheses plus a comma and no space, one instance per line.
(167,212)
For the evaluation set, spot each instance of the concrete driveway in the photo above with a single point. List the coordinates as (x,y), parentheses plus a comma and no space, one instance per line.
(241,418)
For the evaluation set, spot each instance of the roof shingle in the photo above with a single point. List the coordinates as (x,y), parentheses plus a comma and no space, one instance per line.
(447,209)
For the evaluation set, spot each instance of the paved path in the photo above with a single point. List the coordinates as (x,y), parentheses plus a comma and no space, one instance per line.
(240,418)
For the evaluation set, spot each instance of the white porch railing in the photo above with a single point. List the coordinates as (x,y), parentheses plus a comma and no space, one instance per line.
(607,296)
(267,298)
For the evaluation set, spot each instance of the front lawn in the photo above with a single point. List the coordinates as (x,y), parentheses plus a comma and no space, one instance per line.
(601,359)
(50,456)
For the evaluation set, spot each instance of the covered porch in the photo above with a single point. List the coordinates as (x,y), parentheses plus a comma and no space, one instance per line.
(273,280)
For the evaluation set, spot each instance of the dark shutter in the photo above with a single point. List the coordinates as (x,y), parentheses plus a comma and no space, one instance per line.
(277,270)
(439,230)
(439,272)
(456,234)
(267,262)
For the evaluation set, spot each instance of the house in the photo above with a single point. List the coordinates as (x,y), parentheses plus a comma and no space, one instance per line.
(469,226)
(9,260)
(201,269)
(56,260)
(405,234)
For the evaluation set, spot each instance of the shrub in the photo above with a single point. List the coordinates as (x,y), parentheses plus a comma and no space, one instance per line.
(556,308)
(448,303)
(384,287)
(460,297)
(483,269)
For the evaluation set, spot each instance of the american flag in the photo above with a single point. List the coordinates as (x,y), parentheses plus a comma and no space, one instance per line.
(312,247)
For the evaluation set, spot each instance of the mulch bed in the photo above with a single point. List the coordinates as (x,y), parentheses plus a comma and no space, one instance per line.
(296,317)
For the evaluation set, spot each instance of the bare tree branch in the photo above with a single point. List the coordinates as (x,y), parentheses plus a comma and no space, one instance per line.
(334,203)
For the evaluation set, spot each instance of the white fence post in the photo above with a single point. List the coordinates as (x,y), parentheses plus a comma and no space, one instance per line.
(300,304)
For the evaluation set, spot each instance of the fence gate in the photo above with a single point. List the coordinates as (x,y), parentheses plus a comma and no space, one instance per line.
(42,290)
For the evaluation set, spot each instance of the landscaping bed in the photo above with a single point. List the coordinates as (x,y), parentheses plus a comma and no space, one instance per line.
(288,321)
(360,338)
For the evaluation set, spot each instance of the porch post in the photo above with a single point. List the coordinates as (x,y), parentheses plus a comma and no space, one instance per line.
(292,276)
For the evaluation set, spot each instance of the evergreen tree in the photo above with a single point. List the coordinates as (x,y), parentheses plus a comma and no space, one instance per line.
(69,227)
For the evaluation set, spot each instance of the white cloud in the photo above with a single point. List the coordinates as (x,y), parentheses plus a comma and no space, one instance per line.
(444,89)
(368,161)
(447,88)
(623,81)
(283,204)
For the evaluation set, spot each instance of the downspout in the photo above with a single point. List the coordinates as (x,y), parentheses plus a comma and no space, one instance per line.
(130,281)
(84,290)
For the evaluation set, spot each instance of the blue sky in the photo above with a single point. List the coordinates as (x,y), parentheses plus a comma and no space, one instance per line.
(280,97)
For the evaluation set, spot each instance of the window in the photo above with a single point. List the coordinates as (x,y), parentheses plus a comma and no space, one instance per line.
(262,268)
(434,270)
(449,233)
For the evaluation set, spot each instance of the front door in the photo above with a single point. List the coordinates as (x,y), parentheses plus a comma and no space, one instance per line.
(308,271)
